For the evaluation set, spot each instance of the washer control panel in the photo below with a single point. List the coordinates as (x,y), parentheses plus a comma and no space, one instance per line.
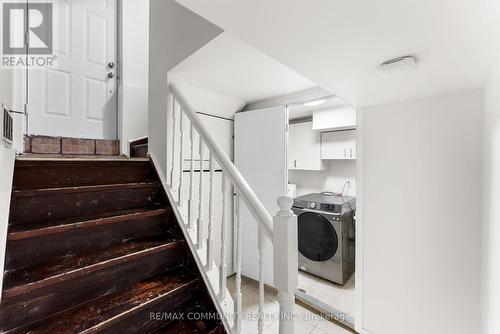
(314,205)
(325,203)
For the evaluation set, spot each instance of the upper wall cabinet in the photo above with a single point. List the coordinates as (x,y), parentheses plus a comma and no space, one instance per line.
(338,145)
(304,147)
(339,118)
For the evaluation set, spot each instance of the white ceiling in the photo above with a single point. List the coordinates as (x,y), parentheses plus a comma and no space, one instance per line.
(340,43)
(228,66)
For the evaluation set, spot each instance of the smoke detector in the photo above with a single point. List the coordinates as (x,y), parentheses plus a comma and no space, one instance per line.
(399,64)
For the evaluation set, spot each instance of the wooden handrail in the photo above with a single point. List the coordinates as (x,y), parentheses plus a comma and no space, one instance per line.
(259,212)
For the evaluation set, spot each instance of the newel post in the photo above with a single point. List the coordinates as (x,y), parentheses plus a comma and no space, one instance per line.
(285,243)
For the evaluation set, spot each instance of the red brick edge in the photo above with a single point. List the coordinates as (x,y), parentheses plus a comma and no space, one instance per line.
(70,146)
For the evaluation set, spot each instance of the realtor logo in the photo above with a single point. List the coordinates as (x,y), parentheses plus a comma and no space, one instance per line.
(27,35)
(27,25)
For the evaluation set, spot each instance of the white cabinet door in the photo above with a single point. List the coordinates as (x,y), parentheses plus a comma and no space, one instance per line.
(306,147)
(338,145)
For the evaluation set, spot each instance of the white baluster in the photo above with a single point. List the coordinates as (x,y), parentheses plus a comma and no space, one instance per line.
(260,323)
(210,239)
(222,267)
(191,179)
(285,259)
(181,155)
(199,232)
(237,266)
(173,145)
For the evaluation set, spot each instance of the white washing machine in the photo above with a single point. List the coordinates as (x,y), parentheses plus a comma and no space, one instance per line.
(326,235)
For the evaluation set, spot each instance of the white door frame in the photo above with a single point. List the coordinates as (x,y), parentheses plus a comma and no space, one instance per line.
(358,320)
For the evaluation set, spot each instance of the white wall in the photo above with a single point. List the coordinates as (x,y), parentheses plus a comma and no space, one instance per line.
(9,97)
(12,95)
(133,91)
(331,179)
(6,86)
(6,173)
(491,196)
(174,34)
(206,101)
(421,227)
(6,81)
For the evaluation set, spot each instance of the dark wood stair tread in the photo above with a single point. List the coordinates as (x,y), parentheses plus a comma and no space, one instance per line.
(26,280)
(25,231)
(34,173)
(81,189)
(115,307)
(196,319)
(38,205)
(191,327)
(140,141)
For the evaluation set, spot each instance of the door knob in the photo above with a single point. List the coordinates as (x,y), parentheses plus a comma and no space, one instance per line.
(111,75)
(111,65)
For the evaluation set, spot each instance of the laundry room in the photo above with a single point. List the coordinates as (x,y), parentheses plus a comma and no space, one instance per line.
(321,178)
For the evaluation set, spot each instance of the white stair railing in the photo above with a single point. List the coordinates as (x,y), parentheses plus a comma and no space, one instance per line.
(283,236)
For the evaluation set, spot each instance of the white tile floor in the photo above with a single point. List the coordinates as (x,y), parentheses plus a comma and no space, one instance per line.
(308,323)
(339,297)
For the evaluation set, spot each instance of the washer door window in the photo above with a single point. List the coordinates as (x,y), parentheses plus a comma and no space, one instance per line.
(318,240)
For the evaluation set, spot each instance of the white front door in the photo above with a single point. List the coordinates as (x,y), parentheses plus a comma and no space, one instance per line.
(77,98)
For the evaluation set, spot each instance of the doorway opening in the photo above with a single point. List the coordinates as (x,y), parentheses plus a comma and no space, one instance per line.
(304,145)
(76,97)
(93,99)
(322,181)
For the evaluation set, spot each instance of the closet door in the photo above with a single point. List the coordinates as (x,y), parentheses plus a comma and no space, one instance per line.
(260,154)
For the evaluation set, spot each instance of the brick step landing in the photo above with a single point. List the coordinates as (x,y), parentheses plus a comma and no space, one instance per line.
(35,144)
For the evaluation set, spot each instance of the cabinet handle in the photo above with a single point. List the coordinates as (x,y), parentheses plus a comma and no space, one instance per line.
(345,152)
(295,163)
(351,152)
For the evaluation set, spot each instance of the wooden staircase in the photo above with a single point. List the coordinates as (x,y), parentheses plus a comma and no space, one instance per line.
(94,247)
